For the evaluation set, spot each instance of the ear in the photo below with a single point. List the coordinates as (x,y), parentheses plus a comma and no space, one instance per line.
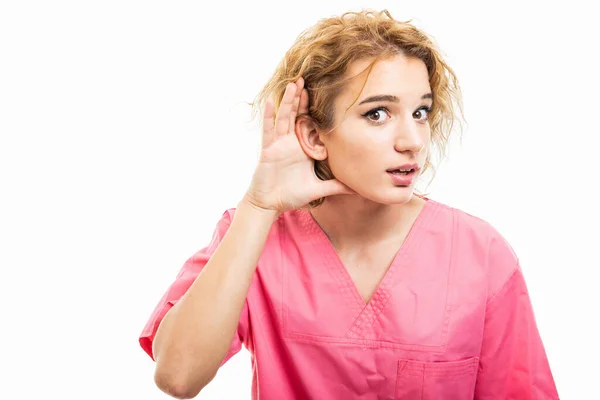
(308,136)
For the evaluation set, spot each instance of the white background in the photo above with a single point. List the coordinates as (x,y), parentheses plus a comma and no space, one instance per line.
(124,137)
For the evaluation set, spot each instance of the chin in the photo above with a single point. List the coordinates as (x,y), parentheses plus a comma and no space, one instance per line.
(396,195)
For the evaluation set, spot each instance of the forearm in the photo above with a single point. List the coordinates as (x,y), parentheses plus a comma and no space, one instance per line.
(195,335)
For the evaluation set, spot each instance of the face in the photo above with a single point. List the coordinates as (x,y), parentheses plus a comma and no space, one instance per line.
(386,129)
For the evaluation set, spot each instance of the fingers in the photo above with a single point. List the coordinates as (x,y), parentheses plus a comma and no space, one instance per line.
(268,128)
(295,104)
(294,101)
(332,187)
(303,108)
(282,123)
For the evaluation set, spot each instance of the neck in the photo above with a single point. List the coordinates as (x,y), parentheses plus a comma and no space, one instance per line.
(348,220)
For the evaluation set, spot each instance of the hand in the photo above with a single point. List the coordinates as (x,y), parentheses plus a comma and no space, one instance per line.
(284,178)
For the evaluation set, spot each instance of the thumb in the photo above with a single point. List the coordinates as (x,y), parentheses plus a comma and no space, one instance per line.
(332,187)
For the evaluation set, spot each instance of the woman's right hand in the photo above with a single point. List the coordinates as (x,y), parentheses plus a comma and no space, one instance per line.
(284,178)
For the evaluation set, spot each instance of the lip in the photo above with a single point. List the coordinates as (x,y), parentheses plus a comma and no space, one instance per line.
(404,180)
(414,166)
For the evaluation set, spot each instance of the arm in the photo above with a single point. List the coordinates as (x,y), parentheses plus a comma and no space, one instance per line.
(193,337)
(196,333)
(513,362)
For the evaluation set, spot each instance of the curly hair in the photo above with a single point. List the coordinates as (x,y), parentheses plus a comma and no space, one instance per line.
(322,54)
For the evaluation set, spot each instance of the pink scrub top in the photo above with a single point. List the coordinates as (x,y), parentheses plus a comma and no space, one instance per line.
(450,320)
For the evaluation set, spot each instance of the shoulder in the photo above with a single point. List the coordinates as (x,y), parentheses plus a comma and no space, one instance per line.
(224,222)
(468,224)
(229,213)
(478,239)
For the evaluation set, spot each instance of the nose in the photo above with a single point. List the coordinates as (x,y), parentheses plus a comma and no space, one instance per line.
(410,138)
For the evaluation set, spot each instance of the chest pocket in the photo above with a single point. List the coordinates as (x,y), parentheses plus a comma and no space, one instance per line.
(454,380)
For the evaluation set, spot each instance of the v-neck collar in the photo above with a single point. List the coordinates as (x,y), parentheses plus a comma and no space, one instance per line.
(366,313)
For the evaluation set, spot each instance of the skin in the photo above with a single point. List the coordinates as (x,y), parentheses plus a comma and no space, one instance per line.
(365,215)
(361,149)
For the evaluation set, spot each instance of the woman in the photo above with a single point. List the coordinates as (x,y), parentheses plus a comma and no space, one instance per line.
(372,291)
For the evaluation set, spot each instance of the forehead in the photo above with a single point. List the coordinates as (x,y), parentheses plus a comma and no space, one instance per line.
(398,75)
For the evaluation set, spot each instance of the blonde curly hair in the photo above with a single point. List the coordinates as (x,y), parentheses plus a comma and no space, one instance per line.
(322,53)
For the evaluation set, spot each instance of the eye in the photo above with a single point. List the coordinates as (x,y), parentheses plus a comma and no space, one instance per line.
(420,113)
(377,115)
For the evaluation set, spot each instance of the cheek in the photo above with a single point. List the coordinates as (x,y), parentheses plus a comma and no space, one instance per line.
(352,162)
(353,154)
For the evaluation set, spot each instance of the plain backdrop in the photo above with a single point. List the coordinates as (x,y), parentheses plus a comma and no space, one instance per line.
(125,134)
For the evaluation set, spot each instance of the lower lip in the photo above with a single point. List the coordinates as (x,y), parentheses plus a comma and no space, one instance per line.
(401,179)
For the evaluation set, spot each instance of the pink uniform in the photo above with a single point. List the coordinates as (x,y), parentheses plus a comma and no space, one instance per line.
(450,320)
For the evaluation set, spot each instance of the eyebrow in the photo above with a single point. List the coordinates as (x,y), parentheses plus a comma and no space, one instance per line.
(390,98)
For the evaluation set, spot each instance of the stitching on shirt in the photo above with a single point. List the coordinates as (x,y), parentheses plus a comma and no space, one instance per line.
(364,343)
(375,307)
(505,284)
(451,274)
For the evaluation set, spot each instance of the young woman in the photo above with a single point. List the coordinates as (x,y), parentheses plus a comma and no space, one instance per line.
(340,280)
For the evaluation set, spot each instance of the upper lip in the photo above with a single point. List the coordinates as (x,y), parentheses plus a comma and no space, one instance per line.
(405,167)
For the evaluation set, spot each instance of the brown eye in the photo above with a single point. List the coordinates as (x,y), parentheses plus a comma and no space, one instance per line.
(377,115)
(423,111)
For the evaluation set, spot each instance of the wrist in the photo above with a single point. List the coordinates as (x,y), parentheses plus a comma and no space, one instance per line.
(246,206)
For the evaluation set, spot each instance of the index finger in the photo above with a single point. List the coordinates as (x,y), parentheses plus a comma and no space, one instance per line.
(303,108)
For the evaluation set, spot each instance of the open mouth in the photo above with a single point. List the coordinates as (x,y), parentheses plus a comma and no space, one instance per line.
(402,172)
(404,175)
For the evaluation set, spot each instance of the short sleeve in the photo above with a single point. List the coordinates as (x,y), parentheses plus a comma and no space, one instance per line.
(186,276)
(513,362)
